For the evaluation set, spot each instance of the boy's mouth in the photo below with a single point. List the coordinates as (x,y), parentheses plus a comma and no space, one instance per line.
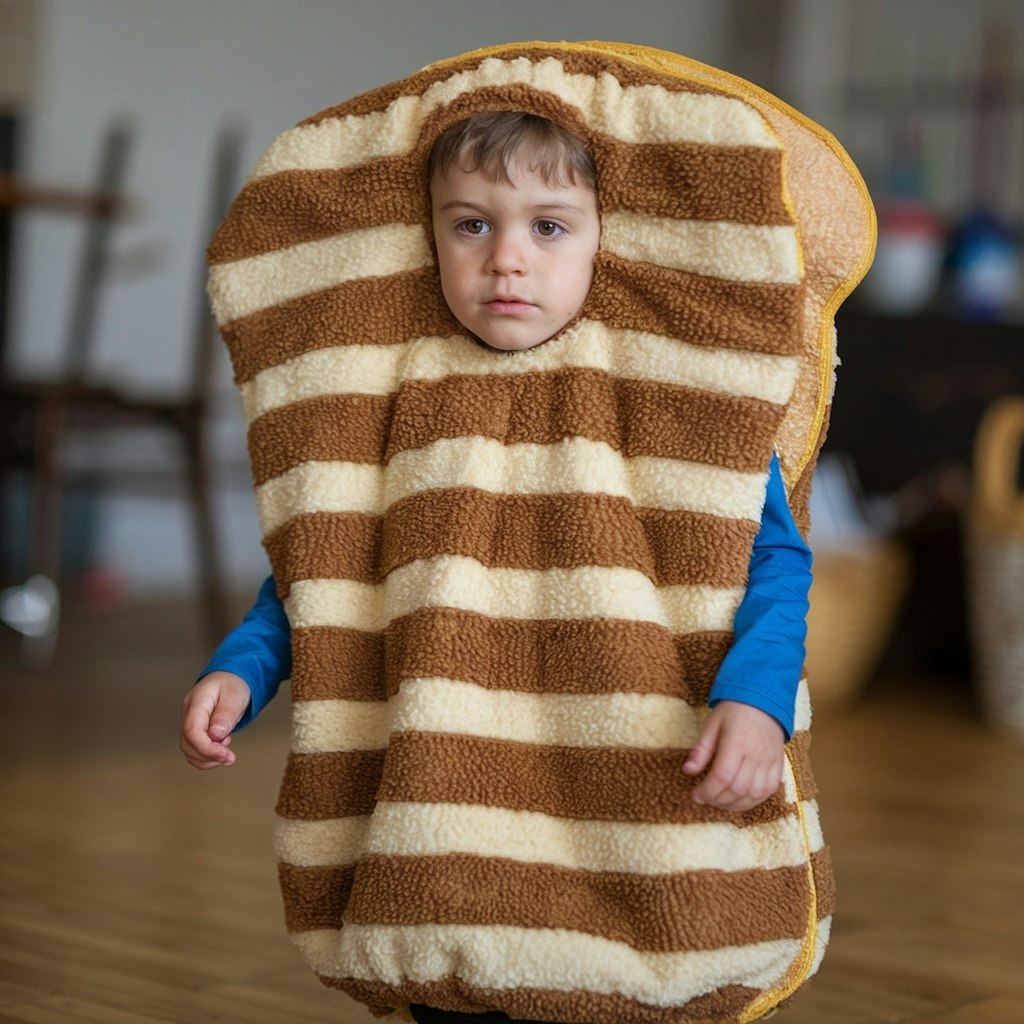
(509,304)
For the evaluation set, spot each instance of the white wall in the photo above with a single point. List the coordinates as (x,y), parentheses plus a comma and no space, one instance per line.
(177,68)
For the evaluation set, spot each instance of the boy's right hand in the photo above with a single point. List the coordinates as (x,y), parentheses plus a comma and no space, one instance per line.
(210,711)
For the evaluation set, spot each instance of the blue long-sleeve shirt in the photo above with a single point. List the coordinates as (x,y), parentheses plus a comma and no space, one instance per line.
(762,667)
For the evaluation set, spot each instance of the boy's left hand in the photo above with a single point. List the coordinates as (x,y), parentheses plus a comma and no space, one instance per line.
(744,746)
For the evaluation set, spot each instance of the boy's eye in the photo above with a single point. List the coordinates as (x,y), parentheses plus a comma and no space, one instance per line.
(473,226)
(549,229)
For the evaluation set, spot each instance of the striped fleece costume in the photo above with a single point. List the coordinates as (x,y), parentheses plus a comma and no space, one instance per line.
(511,577)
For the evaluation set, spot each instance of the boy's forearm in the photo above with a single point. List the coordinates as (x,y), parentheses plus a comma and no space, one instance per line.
(258,651)
(764,665)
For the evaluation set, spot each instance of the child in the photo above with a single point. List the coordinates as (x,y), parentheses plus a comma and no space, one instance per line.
(516,228)
(522,535)
(511,169)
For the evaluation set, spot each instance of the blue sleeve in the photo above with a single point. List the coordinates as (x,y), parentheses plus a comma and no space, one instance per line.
(764,664)
(258,649)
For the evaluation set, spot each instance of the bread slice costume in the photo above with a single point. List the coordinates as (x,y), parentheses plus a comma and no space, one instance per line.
(511,577)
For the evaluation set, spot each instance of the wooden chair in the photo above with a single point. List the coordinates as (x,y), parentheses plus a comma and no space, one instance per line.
(39,417)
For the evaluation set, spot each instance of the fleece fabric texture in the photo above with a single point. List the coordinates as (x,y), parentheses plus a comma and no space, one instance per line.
(761,668)
(511,577)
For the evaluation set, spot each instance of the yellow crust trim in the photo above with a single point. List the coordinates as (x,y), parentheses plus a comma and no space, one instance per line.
(800,967)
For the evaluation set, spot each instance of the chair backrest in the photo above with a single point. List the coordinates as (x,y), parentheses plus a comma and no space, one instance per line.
(94,260)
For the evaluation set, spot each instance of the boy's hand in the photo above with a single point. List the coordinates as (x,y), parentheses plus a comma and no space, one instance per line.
(746,747)
(210,711)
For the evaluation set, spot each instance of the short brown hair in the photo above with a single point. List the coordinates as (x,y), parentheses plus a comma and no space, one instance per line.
(493,142)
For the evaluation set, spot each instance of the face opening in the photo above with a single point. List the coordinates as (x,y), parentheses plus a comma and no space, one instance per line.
(516,226)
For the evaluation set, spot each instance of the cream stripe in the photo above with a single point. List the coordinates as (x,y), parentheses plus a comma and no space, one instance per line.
(789,792)
(455,581)
(345,369)
(319,487)
(802,717)
(553,959)
(633,355)
(824,931)
(258,282)
(734,252)
(335,842)
(575,465)
(326,726)
(814,833)
(640,114)
(431,829)
(645,721)
(642,721)
(344,142)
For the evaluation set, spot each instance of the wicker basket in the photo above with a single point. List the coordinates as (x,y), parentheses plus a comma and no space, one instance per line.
(995,565)
(854,600)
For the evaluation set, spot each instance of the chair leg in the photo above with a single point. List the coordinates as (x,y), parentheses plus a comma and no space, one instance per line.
(209,567)
(45,549)
(40,635)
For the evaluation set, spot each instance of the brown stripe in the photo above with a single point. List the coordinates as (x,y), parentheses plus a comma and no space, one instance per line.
(319,787)
(701,655)
(698,181)
(567,656)
(635,417)
(315,897)
(799,747)
(630,296)
(647,785)
(679,180)
(323,546)
(710,311)
(698,549)
(693,181)
(346,428)
(515,532)
(454,993)
(296,206)
(348,314)
(332,663)
(567,531)
(824,882)
(608,783)
(652,913)
(573,62)
(800,496)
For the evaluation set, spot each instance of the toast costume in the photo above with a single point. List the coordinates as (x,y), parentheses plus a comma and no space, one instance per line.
(511,577)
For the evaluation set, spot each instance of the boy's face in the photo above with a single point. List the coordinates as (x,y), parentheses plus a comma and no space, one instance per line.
(517,260)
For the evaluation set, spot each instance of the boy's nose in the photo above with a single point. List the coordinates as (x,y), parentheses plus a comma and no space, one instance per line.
(506,256)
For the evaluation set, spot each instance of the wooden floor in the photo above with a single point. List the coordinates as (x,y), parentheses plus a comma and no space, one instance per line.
(135,890)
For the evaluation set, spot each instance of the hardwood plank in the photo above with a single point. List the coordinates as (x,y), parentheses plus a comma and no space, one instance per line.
(852,995)
(986,1011)
(291,997)
(64,1010)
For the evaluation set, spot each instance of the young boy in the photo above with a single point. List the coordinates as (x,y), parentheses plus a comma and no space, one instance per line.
(516,226)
